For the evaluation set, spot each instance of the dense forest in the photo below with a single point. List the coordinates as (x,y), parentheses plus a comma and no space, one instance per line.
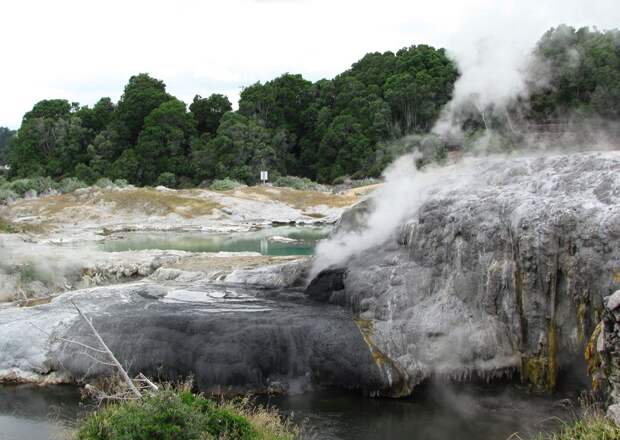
(291,126)
(582,69)
(5,137)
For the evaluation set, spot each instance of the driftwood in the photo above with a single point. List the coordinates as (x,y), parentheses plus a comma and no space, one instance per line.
(115,362)
(134,391)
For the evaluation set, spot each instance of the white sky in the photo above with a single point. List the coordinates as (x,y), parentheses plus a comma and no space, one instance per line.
(82,50)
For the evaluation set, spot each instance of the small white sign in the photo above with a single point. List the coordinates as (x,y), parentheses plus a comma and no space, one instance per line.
(264,176)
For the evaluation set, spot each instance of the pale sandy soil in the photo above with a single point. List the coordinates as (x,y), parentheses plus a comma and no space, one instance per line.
(55,250)
(83,214)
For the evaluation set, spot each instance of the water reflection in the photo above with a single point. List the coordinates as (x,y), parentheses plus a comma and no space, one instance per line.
(38,413)
(280,241)
(434,413)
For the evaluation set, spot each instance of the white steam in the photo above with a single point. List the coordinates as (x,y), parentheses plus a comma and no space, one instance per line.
(495,58)
(493,72)
(405,190)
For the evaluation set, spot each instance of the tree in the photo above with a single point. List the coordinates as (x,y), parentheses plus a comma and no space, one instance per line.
(51,141)
(583,71)
(164,143)
(343,148)
(71,142)
(240,150)
(421,85)
(99,117)
(127,167)
(282,104)
(142,95)
(5,138)
(49,109)
(208,112)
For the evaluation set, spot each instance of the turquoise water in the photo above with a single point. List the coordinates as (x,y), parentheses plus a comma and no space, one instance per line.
(279,241)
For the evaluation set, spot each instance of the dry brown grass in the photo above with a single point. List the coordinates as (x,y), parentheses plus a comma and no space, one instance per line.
(295,198)
(45,205)
(145,201)
(266,420)
(314,214)
(92,203)
(363,190)
(9,227)
(152,202)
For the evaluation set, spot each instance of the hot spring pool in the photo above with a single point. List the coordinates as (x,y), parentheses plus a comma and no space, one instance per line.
(278,241)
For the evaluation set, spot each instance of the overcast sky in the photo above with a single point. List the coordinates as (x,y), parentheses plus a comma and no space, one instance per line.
(83,50)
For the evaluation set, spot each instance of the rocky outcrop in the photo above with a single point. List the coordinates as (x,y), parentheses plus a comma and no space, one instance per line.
(30,271)
(327,284)
(498,274)
(230,338)
(603,355)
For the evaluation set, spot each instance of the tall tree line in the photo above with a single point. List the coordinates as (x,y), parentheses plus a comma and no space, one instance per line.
(288,125)
(583,71)
(292,126)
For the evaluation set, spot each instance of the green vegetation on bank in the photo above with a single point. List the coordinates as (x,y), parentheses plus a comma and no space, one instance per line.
(12,190)
(182,415)
(592,426)
(350,126)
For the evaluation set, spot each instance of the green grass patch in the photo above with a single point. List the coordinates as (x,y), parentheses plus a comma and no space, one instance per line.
(181,415)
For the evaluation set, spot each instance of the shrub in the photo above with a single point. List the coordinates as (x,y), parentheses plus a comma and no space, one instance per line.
(340,180)
(44,184)
(22,186)
(300,183)
(225,185)
(121,183)
(7,196)
(185,183)
(86,173)
(364,182)
(27,273)
(104,182)
(166,179)
(70,184)
(181,415)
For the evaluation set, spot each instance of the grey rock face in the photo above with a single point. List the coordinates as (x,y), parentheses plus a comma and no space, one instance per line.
(613,301)
(613,412)
(499,274)
(328,282)
(230,338)
(606,363)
